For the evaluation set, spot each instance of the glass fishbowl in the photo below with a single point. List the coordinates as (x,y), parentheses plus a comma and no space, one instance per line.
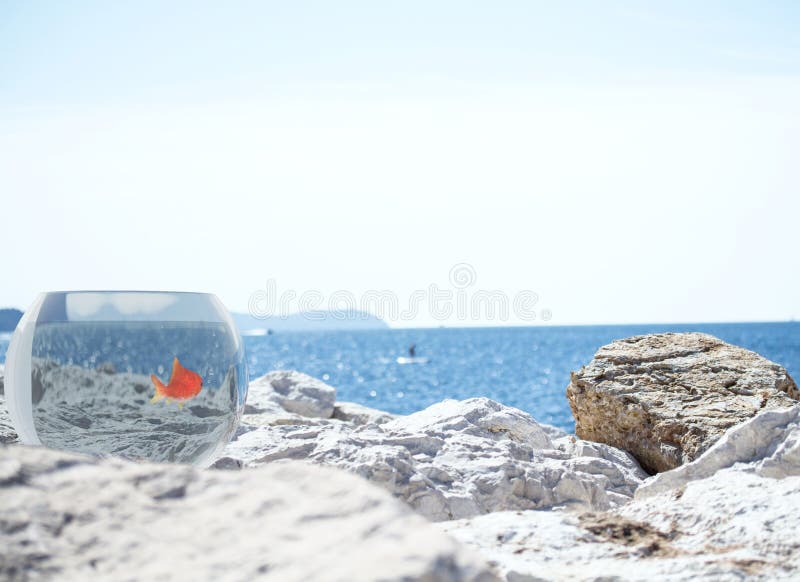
(140,374)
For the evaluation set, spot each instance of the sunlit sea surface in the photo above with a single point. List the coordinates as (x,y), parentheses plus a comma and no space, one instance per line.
(528,368)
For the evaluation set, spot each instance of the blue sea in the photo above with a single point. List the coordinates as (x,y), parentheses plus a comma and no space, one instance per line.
(525,367)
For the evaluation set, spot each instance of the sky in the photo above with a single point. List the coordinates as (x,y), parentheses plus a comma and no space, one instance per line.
(612,162)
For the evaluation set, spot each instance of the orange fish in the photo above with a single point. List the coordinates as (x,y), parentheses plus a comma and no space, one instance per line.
(183,384)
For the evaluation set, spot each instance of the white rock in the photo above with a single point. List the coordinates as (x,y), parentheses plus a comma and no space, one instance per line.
(768,444)
(456,459)
(547,545)
(478,417)
(294,392)
(359,414)
(270,412)
(527,546)
(69,517)
(729,515)
(738,521)
(553,431)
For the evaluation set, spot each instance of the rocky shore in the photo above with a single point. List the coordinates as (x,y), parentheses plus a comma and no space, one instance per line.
(686,464)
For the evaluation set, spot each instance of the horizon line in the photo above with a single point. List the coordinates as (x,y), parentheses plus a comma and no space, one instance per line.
(491,324)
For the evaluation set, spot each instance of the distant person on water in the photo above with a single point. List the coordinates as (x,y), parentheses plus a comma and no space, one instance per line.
(412,351)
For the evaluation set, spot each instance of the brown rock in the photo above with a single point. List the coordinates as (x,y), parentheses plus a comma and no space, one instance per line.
(666,398)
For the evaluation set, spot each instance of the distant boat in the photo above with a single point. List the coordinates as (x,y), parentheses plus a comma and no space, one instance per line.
(408,360)
(256,332)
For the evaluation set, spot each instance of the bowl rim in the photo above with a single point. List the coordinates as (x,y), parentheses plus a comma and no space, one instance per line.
(108,291)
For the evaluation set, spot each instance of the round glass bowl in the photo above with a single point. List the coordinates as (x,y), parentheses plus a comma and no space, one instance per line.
(140,374)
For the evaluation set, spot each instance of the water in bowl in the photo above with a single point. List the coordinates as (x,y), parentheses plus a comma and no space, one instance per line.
(91,388)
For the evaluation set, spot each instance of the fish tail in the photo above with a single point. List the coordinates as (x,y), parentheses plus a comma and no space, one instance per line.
(159,388)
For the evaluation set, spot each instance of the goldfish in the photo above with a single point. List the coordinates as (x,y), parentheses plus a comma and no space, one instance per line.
(183,385)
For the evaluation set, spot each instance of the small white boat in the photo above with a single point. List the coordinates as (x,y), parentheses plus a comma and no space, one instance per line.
(408,360)
(257,332)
